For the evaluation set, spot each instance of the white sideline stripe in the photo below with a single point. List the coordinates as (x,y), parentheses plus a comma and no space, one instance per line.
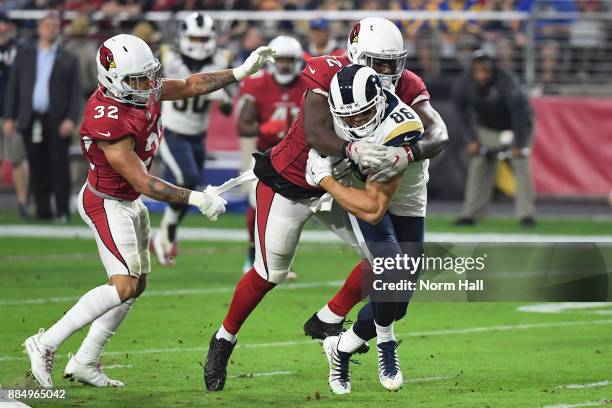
(238,235)
(304,342)
(580,404)
(249,375)
(561,307)
(427,379)
(119,366)
(589,385)
(175,292)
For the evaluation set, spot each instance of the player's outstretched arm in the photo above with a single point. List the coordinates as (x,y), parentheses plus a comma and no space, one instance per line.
(121,156)
(369,204)
(207,82)
(435,135)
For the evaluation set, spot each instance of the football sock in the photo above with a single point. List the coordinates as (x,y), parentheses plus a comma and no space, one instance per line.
(248,293)
(350,293)
(222,333)
(327,316)
(250,221)
(169,222)
(90,306)
(384,333)
(349,341)
(101,331)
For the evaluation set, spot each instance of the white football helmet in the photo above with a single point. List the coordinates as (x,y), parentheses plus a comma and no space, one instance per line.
(356,101)
(288,60)
(197,36)
(128,69)
(376,39)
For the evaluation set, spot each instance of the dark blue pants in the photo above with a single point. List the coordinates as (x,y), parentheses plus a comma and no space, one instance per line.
(394,235)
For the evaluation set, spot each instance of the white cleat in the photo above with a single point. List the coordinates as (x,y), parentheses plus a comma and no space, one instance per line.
(162,249)
(291,276)
(339,378)
(91,374)
(389,372)
(41,359)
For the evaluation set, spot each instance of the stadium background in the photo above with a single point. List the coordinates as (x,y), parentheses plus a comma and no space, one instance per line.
(457,354)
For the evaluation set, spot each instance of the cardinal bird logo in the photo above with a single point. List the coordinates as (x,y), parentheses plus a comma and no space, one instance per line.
(354,35)
(106,58)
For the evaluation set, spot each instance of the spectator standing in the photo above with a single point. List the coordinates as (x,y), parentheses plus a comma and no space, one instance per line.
(11,144)
(43,102)
(321,42)
(493,97)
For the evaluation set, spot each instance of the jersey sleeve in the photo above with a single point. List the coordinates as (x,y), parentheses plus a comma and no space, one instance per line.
(320,71)
(406,129)
(412,89)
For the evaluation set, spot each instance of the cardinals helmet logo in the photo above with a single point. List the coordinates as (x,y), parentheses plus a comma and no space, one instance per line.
(354,35)
(106,58)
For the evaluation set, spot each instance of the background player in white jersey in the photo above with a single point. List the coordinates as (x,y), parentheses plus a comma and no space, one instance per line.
(185,121)
(120,132)
(362,110)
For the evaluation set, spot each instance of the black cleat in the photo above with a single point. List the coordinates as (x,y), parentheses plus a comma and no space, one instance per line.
(527,222)
(215,367)
(465,222)
(318,329)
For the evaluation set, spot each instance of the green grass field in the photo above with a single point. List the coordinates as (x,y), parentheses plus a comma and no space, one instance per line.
(453,354)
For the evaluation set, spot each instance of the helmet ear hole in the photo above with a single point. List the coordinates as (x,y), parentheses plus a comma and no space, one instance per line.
(109,79)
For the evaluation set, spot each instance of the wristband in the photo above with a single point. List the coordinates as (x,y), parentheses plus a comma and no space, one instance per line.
(239,73)
(195,198)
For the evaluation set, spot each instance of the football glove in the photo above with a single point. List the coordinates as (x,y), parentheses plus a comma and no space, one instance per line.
(393,163)
(365,154)
(317,168)
(209,203)
(254,62)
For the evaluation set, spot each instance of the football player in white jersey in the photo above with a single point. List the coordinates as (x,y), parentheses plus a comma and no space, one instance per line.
(385,216)
(186,120)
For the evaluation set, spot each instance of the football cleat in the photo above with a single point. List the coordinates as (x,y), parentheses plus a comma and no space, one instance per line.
(215,367)
(163,250)
(291,276)
(389,372)
(91,374)
(318,329)
(339,378)
(41,359)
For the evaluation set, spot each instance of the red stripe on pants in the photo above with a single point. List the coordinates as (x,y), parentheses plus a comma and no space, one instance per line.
(94,208)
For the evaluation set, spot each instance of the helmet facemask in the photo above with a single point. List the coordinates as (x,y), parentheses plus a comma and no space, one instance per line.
(285,69)
(198,47)
(142,88)
(344,116)
(388,66)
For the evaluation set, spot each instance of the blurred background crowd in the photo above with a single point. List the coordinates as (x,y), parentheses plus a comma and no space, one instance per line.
(555,47)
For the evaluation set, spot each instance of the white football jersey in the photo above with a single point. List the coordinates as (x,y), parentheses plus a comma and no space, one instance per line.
(190,116)
(399,126)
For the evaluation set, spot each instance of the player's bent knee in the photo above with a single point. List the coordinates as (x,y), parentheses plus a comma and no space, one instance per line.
(126,286)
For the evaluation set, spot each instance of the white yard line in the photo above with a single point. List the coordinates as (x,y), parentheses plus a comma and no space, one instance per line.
(468,330)
(271,373)
(561,307)
(119,366)
(175,292)
(588,385)
(580,404)
(238,235)
(427,379)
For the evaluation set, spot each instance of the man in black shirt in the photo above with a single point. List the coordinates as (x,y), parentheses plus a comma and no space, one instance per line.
(498,122)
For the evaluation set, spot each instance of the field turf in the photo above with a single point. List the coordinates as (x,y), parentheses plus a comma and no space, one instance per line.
(453,354)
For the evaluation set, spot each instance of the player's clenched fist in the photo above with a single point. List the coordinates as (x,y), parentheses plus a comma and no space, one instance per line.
(254,62)
(209,203)
(393,163)
(317,168)
(365,154)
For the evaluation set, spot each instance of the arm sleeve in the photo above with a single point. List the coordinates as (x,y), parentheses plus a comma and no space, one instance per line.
(463,110)
(412,89)
(11,97)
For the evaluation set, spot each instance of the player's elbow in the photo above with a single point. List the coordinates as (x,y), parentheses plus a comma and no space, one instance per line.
(374,213)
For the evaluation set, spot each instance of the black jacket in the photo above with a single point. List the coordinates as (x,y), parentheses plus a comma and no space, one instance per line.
(501,105)
(64,88)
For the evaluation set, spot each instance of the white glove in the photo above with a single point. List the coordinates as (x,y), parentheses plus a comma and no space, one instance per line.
(393,163)
(365,154)
(254,62)
(209,203)
(341,169)
(317,168)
